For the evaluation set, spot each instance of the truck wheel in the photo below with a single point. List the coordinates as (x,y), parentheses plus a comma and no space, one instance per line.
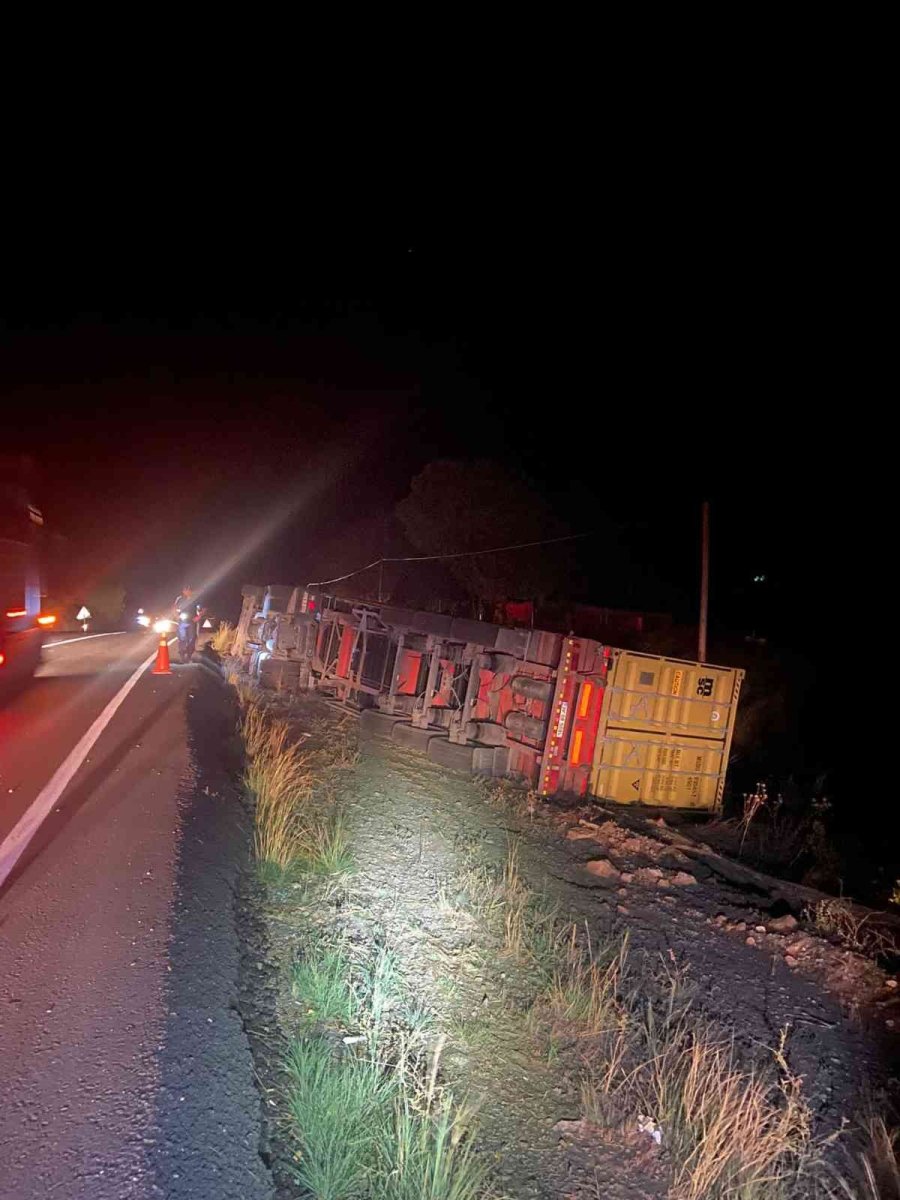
(451,754)
(413,738)
(375,724)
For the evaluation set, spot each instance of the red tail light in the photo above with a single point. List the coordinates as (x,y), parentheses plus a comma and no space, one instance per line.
(2,658)
(50,619)
(17,612)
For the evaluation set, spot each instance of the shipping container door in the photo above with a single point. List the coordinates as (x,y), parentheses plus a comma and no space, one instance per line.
(665,770)
(652,693)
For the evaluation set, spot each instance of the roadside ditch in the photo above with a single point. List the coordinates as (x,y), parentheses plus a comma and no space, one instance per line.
(529,1003)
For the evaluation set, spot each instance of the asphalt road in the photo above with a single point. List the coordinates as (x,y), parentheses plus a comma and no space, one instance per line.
(125,1071)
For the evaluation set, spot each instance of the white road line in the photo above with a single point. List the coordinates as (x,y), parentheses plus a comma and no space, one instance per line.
(14,843)
(86,638)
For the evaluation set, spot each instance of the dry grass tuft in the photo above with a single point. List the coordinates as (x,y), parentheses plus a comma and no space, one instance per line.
(504,902)
(873,1172)
(278,776)
(262,734)
(246,696)
(730,1130)
(733,1132)
(289,827)
(514,896)
(837,917)
(223,638)
(585,994)
(336,740)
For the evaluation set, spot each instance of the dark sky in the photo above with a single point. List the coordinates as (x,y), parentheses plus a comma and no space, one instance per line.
(177,407)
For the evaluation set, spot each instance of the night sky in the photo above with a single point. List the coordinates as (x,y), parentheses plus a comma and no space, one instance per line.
(174,415)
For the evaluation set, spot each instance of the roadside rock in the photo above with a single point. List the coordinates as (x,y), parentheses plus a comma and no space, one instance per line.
(798,947)
(785,924)
(649,876)
(603,869)
(578,833)
(683,879)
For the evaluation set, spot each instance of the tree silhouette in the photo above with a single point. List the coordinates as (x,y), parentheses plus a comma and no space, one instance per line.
(458,506)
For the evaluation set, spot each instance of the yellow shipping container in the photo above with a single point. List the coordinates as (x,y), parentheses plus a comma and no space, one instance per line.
(665,732)
(633,767)
(649,692)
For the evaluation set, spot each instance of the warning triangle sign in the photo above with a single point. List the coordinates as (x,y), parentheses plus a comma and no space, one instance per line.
(207,624)
(83,613)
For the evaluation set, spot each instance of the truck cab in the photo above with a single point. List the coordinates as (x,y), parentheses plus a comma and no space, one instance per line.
(22,625)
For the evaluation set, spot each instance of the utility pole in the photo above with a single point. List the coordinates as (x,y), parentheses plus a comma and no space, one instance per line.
(704,584)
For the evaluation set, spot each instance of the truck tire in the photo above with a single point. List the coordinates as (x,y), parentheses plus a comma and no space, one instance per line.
(410,737)
(375,724)
(451,755)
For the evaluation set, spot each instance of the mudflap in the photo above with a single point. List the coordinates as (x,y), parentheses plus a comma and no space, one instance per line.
(490,760)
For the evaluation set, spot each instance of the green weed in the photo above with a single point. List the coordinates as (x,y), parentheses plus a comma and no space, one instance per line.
(321,986)
(339,1113)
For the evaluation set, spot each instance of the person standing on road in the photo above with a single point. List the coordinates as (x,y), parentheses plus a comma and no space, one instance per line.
(189,614)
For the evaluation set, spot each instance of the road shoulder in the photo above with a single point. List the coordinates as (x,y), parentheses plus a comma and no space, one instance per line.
(207,1136)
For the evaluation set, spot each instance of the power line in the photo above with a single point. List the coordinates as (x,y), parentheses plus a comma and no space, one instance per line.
(569,537)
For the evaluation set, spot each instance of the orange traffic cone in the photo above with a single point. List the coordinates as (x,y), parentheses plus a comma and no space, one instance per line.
(162,658)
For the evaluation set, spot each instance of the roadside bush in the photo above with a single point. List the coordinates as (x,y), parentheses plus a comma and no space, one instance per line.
(223,638)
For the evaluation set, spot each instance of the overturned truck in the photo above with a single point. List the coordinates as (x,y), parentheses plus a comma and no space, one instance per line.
(560,713)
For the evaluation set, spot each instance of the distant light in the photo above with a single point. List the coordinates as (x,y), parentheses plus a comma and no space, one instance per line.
(162,626)
(759,579)
(183,616)
(143,620)
(49,619)
(141,611)
(17,612)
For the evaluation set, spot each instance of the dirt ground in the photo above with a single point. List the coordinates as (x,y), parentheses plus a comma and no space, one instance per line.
(418,833)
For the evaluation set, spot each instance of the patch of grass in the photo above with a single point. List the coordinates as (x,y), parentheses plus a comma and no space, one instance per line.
(320,984)
(377,1125)
(289,827)
(223,638)
(837,917)
(514,896)
(526,922)
(246,695)
(366,1130)
(584,994)
(424,1156)
(338,1112)
(323,843)
(873,1172)
(732,1131)
(472,1032)
(260,733)
(279,778)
